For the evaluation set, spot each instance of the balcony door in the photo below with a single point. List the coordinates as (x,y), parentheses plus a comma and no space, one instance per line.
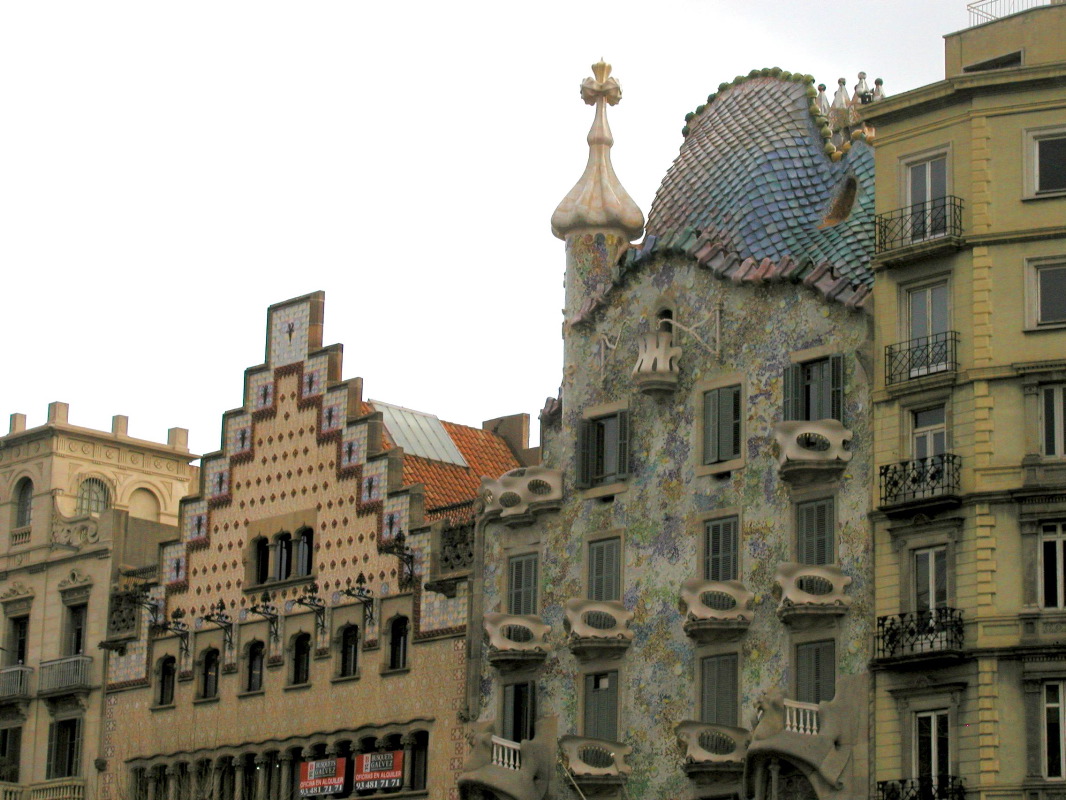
(928,312)
(932,757)
(930,595)
(927,184)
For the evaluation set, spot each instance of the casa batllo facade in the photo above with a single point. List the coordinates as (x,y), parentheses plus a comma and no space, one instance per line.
(305,629)
(678,603)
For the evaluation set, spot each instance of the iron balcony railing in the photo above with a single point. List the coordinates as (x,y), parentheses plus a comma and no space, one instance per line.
(940,787)
(926,355)
(930,219)
(65,674)
(15,682)
(919,632)
(920,479)
(982,11)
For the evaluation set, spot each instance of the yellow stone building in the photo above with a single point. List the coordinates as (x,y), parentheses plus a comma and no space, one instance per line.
(307,622)
(970,517)
(80,510)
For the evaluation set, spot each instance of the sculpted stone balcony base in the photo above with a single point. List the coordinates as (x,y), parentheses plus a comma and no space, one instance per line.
(656,370)
(714,754)
(516,641)
(596,766)
(597,628)
(716,611)
(519,496)
(506,770)
(811,595)
(812,451)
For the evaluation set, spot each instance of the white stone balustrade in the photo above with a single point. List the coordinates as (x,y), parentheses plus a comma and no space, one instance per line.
(65,674)
(70,789)
(10,791)
(809,590)
(506,754)
(656,369)
(516,497)
(595,758)
(716,609)
(802,718)
(809,450)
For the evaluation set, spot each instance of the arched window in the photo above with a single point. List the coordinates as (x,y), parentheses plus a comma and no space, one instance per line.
(254,678)
(301,659)
(24,503)
(305,545)
(665,320)
(209,674)
(349,651)
(168,672)
(398,643)
(283,543)
(261,560)
(93,497)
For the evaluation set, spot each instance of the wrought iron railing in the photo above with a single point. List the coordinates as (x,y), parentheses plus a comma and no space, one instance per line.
(920,222)
(920,479)
(15,681)
(926,355)
(982,11)
(65,673)
(941,787)
(917,632)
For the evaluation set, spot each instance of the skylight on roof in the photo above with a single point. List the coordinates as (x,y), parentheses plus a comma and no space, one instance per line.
(419,434)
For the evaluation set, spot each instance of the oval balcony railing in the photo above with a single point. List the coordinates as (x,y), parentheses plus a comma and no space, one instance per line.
(716,610)
(597,628)
(516,639)
(64,674)
(919,633)
(656,369)
(518,496)
(810,450)
(809,590)
(708,745)
(595,761)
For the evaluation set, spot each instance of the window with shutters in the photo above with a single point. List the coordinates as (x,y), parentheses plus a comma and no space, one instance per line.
(722,429)
(519,711)
(605,569)
(209,668)
(349,660)
(10,753)
(932,752)
(815,526)
(64,748)
(1053,421)
(1054,730)
(77,616)
(301,659)
(603,450)
(168,673)
(814,390)
(816,671)
(1053,564)
(18,639)
(522,588)
(720,547)
(399,631)
(719,689)
(601,706)
(253,679)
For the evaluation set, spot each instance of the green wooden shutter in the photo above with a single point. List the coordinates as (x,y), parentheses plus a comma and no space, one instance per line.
(601,706)
(730,431)
(50,767)
(793,406)
(508,731)
(523,584)
(720,547)
(836,390)
(814,532)
(719,690)
(710,427)
(75,765)
(585,444)
(816,672)
(827,667)
(604,562)
(622,471)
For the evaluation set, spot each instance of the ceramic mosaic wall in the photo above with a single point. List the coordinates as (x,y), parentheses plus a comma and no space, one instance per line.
(659,513)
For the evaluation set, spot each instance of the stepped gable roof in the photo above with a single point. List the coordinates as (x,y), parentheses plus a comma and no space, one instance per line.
(451,488)
(759,182)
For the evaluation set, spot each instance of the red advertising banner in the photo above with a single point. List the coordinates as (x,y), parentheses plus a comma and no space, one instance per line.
(322,777)
(379,770)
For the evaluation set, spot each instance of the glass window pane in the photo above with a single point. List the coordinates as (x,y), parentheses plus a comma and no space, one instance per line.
(1051,583)
(1052,164)
(938,178)
(938,304)
(919,313)
(1053,294)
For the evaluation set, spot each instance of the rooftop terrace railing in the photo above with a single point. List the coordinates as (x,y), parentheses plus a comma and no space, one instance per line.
(982,11)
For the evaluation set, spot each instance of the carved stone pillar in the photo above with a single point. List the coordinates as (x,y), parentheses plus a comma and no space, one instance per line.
(1031,404)
(153,784)
(262,772)
(408,742)
(173,776)
(285,784)
(381,743)
(218,771)
(775,778)
(238,778)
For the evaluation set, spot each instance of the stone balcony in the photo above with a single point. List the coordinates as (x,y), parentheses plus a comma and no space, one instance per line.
(811,594)
(812,451)
(597,628)
(500,768)
(714,754)
(61,789)
(15,683)
(656,370)
(596,766)
(519,496)
(716,611)
(516,641)
(70,675)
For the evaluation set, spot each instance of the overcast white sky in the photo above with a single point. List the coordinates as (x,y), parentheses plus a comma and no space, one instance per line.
(168,170)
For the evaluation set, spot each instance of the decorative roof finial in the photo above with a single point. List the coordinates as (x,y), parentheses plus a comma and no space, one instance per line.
(598,201)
